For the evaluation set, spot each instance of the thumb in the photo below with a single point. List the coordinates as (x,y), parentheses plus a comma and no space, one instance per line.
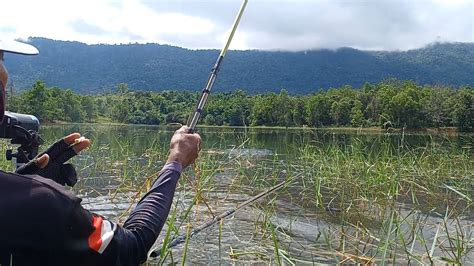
(42,161)
(34,165)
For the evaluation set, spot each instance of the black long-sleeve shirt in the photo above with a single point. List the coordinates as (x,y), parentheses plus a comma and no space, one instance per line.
(42,223)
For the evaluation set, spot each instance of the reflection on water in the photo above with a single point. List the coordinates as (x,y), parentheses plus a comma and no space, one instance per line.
(124,156)
(235,152)
(261,140)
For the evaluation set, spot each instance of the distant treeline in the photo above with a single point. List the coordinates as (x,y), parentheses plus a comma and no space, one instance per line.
(391,103)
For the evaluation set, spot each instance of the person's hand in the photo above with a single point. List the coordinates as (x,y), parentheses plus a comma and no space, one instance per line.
(51,163)
(184,147)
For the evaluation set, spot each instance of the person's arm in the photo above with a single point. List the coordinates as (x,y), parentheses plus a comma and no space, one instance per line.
(129,244)
(132,241)
(73,233)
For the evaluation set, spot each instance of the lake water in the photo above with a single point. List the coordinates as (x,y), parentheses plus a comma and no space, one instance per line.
(238,160)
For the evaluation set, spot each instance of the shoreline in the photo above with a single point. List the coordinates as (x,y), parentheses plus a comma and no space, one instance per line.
(377,130)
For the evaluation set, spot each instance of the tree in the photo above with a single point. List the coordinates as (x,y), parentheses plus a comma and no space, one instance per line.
(318,110)
(405,108)
(238,111)
(370,104)
(341,111)
(121,108)
(122,88)
(298,112)
(385,93)
(35,100)
(464,110)
(89,107)
(357,117)
(436,106)
(72,107)
(402,102)
(282,109)
(261,112)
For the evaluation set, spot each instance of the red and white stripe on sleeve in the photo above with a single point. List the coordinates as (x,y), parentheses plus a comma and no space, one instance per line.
(102,234)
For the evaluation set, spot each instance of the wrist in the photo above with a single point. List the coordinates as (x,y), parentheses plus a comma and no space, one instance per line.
(173,166)
(177,157)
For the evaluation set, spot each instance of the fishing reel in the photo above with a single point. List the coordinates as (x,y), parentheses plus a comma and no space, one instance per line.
(22,129)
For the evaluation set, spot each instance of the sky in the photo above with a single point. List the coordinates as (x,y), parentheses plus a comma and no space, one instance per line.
(290,25)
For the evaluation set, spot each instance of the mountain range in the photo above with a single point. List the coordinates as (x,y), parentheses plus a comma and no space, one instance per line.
(154,67)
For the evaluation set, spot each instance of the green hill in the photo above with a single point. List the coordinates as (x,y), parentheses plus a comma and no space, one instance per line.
(97,68)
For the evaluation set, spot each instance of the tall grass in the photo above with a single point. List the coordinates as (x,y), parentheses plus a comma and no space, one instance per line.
(375,199)
(384,190)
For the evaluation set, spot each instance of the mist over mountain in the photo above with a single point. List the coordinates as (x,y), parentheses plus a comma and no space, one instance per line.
(152,67)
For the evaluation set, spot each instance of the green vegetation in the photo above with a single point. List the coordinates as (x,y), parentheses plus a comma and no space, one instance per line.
(153,67)
(361,198)
(376,199)
(392,103)
(386,200)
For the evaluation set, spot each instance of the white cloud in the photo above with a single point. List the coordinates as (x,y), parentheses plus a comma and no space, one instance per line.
(119,22)
(267,24)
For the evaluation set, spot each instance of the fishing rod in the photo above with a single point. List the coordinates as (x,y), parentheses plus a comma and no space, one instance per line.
(194,118)
(182,238)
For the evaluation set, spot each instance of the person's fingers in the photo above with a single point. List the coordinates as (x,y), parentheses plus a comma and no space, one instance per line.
(82,145)
(198,141)
(183,129)
(196,135)
(69,139)
(42,161)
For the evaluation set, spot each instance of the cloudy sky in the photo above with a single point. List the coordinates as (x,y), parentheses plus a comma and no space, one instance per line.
(267,24)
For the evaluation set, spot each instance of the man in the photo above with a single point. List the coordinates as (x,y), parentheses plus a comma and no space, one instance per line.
(43,223)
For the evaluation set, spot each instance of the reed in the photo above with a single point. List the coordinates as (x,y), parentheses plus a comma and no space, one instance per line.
(376,199)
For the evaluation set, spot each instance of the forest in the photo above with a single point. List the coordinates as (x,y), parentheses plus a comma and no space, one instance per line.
(390,103)
(92,69)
